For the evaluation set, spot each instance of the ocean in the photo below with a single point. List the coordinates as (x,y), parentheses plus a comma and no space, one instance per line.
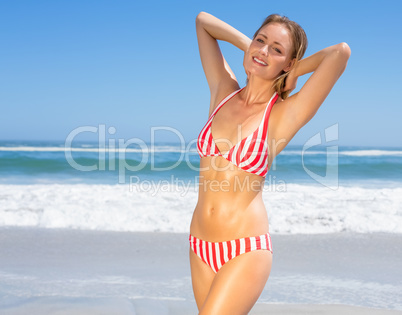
(335,218)
(153,187)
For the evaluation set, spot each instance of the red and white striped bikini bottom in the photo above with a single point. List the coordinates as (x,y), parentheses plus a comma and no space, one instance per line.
(216,254)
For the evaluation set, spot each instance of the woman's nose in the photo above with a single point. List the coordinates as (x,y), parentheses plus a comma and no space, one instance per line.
(264,50)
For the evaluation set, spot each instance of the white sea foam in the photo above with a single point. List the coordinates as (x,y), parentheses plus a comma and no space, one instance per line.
(346,152)
(168,207)
(95,207)
(147,148)
(316,209)
(185,148)
(371,153)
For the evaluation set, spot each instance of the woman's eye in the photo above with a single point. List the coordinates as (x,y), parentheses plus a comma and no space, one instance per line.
(260,40)
(277,50)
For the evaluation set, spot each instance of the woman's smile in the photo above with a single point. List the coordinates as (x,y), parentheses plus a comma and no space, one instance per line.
(259,62)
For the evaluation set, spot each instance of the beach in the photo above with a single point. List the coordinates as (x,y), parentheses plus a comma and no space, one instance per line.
(81,242)
(100,154)
(66,271)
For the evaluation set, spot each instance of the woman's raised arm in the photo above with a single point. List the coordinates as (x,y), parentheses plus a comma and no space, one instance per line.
(328,65)
(209,30)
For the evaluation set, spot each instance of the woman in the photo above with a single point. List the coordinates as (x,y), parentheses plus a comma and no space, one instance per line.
(230,245)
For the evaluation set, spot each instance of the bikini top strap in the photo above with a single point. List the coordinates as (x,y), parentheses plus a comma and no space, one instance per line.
(227,98)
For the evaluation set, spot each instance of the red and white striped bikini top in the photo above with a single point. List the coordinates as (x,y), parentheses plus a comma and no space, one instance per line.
(251,153)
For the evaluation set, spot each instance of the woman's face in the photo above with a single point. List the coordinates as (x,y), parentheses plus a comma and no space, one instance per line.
(269,52)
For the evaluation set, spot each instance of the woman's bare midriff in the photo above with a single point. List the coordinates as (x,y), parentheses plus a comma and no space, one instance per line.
(230,204)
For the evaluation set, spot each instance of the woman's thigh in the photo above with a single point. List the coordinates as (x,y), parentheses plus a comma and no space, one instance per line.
(201,276)
(238,284)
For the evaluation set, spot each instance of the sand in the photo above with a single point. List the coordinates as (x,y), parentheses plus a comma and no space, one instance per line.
(58,271)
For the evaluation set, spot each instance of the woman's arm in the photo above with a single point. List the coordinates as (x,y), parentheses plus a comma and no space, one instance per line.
(328,65)
(209,30)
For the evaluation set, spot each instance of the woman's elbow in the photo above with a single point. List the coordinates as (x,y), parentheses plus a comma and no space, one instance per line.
(344,50)
(200,17)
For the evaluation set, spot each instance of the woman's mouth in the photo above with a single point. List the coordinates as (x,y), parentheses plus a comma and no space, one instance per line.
(259,61)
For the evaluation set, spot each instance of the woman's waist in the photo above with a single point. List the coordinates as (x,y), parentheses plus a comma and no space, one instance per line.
(215,220)
(227,195)
(228,203)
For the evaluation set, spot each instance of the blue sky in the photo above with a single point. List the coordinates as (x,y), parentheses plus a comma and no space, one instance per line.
(133,65)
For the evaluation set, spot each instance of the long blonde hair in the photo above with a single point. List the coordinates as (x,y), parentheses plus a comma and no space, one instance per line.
(299,40)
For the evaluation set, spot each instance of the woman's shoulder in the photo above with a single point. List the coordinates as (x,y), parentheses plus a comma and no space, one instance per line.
(220,93)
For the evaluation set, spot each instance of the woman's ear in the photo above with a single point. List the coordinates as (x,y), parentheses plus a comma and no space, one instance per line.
(290,65)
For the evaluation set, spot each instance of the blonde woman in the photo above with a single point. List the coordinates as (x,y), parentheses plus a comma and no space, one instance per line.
(230,244)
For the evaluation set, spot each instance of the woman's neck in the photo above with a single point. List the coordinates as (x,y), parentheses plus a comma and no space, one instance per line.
(257,91)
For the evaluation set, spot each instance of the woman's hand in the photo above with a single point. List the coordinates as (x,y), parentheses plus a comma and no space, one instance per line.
(327,66)
(290,81)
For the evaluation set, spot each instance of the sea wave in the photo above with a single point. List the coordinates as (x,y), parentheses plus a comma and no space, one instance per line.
(86,148)
(149,148)
(167,206)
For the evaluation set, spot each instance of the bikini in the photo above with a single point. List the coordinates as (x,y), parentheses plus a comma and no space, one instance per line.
(216,254)
(250,155)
